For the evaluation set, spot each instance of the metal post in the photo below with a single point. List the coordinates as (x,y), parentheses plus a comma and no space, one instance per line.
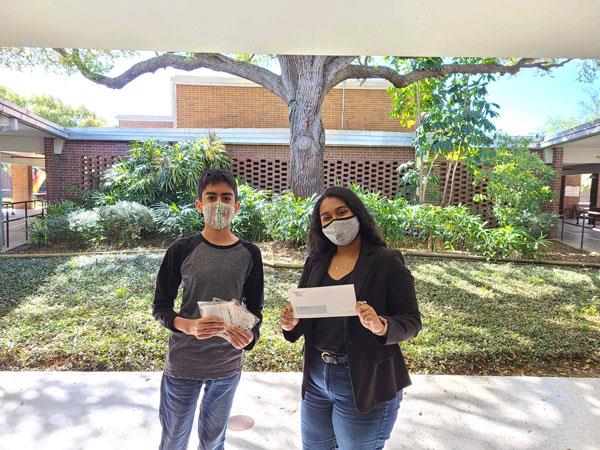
(582,231)
(2,241)
(562,230)
(7,230)
(26,220)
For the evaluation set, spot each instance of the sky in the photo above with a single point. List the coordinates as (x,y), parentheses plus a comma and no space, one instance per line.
(526,100)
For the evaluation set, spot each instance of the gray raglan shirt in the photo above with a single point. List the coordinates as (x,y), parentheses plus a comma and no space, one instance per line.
(206,271)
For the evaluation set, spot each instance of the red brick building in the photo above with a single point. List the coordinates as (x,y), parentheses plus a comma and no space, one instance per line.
(363,144)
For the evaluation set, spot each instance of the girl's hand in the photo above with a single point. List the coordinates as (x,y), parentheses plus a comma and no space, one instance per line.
(288,322)
(370,320)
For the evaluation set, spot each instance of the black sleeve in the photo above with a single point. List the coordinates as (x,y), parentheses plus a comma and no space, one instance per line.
(254,292)
(402,311)
(167,286)
(294,334)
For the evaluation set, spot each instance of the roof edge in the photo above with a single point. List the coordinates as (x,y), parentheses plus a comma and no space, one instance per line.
(31,119)
(577,133)
(252,136)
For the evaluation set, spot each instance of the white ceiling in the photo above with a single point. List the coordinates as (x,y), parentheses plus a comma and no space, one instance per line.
(587,142)
(530,28)
(26,159)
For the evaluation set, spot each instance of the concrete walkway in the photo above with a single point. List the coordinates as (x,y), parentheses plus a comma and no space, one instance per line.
(17,235)
(572,236)
(118,410)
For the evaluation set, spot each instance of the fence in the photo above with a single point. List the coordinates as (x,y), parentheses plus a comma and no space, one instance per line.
(8,209)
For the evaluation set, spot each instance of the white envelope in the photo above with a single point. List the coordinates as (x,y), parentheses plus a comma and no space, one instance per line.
(326,301)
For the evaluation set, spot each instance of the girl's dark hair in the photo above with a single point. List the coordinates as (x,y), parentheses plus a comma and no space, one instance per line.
(318,242)
(215,176)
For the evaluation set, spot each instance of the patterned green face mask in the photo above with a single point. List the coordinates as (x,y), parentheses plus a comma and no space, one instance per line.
(217,215)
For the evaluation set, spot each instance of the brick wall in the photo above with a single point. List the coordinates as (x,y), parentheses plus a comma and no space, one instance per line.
(80,163)
(146,124)
(200,106)
(264,167)
(557,165)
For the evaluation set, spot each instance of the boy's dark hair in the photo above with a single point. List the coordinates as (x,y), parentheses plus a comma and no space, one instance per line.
(214,176)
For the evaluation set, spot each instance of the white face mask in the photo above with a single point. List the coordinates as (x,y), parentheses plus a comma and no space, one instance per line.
(342,231)
(217,215)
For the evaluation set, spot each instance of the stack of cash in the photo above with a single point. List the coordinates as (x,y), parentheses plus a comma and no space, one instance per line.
(233,312)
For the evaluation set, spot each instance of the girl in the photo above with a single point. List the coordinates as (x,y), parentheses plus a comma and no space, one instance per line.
(354,371)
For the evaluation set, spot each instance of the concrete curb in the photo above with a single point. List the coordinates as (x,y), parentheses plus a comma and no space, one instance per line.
(288,265)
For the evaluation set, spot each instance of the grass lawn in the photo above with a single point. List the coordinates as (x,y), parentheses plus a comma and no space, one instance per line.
(93,313)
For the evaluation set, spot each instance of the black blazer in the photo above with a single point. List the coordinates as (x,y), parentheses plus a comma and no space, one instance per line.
(377,367)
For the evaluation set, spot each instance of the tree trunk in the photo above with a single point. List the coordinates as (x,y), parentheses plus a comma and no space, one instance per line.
(448,170)
(307,143)
(452,182)
(425,184)
(307,155)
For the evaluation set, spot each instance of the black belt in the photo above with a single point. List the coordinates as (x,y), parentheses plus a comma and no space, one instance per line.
(331,358)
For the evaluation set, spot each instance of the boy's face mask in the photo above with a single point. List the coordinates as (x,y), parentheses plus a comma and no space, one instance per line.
(217,214)
(342,231)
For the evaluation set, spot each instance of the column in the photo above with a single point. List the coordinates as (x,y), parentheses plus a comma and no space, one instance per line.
(22,184)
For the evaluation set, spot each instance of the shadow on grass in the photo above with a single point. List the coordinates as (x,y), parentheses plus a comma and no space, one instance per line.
(503,317)
(21,278)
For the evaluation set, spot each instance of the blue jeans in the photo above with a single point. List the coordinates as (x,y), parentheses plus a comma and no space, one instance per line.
(178,400)
(329,415)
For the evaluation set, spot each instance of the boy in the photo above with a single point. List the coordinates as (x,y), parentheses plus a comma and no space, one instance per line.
(214,263)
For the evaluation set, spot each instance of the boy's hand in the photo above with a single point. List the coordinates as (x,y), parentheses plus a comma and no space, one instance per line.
(203,328)
(288,322)
(238,337)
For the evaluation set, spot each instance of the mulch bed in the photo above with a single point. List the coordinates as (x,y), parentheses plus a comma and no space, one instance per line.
(288,253)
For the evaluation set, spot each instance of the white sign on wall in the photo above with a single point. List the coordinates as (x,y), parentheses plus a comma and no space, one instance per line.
(571,191)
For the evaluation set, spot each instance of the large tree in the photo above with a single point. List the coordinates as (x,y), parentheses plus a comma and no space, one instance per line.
(302,83)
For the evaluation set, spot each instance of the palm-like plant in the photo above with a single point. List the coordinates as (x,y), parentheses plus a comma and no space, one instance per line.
(157,171)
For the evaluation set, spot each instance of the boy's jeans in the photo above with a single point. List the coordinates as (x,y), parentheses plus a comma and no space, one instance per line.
(178,399)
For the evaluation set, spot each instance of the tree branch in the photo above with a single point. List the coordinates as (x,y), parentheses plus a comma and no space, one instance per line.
(334,65)
(214,61)
(403,80)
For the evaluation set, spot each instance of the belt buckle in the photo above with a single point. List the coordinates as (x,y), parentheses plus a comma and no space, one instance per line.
(325,355)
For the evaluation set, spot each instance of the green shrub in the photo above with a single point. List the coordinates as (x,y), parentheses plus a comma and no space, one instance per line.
(287,217)
(451,227)
(37,233)
(508,242)
(177,221)
(249,222)
(160,172)
(517,182)
(83,227)
(387,213)
(125,223)
(77,228)
(122,224)
(62,207)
